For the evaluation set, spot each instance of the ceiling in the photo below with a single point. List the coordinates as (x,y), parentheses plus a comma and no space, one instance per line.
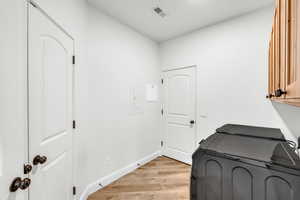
(182,16)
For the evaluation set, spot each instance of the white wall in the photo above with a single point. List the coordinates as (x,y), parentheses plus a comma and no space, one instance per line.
(232,72)
(121,62)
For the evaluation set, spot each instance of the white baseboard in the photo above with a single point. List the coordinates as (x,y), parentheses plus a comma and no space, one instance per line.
(178,155)
(104,181)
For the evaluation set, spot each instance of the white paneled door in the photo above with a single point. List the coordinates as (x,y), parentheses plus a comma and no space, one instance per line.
(50,85)
(13,95)
(180,113)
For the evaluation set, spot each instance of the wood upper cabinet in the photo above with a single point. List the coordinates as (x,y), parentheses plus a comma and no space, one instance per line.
(284,53)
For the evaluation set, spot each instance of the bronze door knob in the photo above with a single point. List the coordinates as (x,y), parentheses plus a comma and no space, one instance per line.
(18,183)
(279,93)
(25,184)
(27,169)
(39,160)
(15,185)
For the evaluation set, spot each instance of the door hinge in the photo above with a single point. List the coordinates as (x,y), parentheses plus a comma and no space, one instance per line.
(162,81)
(73,59)
(74,124)
(33,4)
(74,190)
(162,111)
(162,143)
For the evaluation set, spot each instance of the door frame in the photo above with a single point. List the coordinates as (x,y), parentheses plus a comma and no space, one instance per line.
(163,116)
(74,158)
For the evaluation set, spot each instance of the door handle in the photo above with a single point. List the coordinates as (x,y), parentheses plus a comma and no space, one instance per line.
(39,160)
(27,168)
(15,185)
(192,122)
(18,183)
(25,184)
(279,93)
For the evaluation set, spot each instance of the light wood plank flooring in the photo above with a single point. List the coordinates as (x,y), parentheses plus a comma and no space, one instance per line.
(161,179)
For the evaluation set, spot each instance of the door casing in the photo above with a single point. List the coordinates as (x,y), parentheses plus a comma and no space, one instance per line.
(163,106)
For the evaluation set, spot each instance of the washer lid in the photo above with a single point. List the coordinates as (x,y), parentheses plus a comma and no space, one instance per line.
(252,131)
(237,142)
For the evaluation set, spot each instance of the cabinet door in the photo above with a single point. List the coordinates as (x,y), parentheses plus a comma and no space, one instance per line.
(274,57)
(276,38)
(271,89)
(293,66)
(283,42)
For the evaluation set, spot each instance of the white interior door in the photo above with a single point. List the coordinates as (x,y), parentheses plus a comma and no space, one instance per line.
(11,156)
(12,147)
(50,108)
(180,113)
(13,95)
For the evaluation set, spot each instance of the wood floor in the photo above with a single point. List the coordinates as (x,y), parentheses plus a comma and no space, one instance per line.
(161,179)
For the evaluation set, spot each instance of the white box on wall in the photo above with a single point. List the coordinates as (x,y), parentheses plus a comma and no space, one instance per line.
(151,93)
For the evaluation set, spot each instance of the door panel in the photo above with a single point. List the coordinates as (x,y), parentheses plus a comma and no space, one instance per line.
(292,70)
(180,110)
(283,35)
(56,169)
(13,96)
(276,49)
(271,65)
(178,105)
(55,94)
(176,131)
(50,108)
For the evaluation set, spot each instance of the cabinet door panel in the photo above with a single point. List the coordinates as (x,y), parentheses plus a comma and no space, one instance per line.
(271,65)
(293,67)
(270,89)
(277,50)
(283,48)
